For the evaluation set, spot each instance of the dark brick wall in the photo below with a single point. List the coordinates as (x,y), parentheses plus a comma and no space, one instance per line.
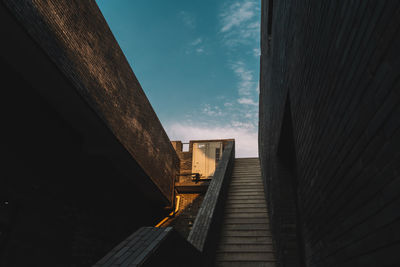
(72,182)
(188,207)
(76,37)
(330,130)
(61,203)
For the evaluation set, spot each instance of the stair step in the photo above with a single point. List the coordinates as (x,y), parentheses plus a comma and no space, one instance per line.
(246,240)
(250,184)
(246,215)
(245,201)
(243,174)
(255,171)
(246,180)
(244,233)
(245,221)
(237,183)
(247,168)
(245,197)
(253,168)
(258,188)
(245,264)
(247,226)
(250,169)
(243,210)
(246,188)
(245,256)
(245,205)
(246,193)
(245,237)
(246,185)
(250,174)
(244,247)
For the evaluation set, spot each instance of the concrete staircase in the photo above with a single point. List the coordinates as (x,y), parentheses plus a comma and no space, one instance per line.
(245,238)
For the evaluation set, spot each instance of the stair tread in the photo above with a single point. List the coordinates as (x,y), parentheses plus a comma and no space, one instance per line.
(245,239)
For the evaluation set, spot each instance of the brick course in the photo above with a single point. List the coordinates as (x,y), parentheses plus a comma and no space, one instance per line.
(336,66)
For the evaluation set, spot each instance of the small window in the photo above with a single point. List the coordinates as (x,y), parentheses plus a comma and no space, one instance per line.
(185,147)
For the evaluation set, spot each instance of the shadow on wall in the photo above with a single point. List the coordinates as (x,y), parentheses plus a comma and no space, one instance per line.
(58,199)
(184,219)
(290,244)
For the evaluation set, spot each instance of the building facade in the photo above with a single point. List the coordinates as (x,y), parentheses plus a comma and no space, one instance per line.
(329,135)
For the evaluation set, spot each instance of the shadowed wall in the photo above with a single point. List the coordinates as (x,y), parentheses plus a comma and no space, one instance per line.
(85,161)
(330,130)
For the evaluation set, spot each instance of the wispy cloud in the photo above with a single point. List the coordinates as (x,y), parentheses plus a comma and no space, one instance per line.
(245,136)
(246,78)
(211,110)
(200,50)
(196,46)
(256,52)
(240,27)
(247,101)
(234,116)
(188,19)
(228,104)
(196,42)
(237,14)
(240,23)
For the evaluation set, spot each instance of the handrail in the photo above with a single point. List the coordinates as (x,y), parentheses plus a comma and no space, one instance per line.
(152,245)
(178,199)
(206,221)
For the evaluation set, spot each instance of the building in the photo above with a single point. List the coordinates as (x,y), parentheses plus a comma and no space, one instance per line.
(89,174)
(330,130)
(85,159)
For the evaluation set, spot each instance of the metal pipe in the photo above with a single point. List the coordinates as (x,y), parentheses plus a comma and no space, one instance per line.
(178,198)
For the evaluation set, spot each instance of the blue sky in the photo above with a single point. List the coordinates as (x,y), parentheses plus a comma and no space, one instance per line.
(198,63)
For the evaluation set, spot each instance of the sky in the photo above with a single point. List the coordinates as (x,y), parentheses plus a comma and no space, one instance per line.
(197,62)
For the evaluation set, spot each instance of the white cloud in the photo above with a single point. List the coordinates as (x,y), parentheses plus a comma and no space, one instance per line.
(196,46)
(200,50)
(247,101)
(197,41)
(231,116)
(256,52)
(246,79)
(211,111)
(245,135)
(237,14)
(228,104)
(240,23)
(188,19)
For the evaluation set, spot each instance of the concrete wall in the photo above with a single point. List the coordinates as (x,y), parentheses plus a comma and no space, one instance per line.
(330,130)
(186,158)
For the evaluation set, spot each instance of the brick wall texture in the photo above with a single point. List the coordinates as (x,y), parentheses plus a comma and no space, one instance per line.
(329,134)
(188,207)
(76,37)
